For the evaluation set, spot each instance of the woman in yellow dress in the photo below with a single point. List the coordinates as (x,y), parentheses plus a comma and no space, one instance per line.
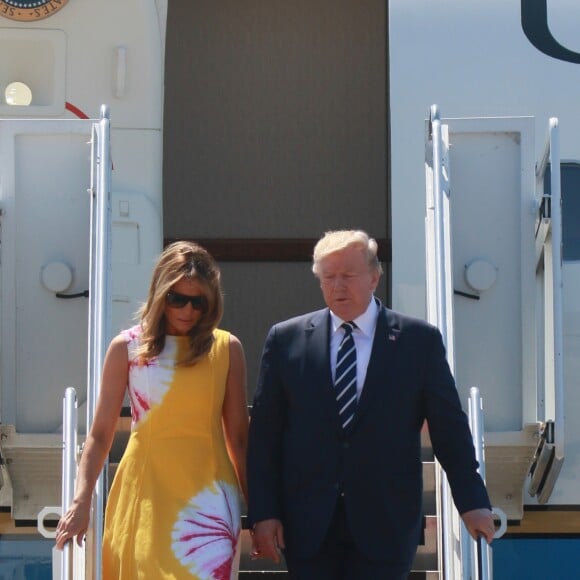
(174,507)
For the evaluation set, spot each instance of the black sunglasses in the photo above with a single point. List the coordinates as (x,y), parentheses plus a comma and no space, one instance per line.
(176,300)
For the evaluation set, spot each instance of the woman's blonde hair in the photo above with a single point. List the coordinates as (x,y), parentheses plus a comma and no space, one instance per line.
(178,261)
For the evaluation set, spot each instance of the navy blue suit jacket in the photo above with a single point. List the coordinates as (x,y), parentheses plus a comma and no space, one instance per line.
(300,459)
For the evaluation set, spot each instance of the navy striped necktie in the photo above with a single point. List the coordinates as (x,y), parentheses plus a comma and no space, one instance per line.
(345,376)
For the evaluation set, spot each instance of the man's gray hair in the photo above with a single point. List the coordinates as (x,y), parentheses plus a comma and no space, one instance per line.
(334,241)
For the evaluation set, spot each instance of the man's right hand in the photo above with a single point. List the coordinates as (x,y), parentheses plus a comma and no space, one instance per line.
(268,540)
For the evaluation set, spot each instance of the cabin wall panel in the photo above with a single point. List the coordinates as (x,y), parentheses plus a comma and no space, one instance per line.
(275,118)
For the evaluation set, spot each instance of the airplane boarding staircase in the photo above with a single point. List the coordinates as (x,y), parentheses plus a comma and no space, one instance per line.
(531,457)
(447,552)
(458,555)
(74,562)
(78,564)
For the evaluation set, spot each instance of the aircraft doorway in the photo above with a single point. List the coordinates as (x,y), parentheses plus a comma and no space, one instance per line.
(275,130)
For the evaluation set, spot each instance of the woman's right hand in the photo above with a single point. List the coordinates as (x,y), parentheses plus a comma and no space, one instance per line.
(74,523)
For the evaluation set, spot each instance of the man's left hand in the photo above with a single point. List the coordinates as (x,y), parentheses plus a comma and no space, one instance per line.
(479,523)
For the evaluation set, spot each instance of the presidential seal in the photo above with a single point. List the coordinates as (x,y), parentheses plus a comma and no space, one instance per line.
(28,10)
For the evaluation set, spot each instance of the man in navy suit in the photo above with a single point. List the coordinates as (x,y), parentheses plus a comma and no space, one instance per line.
(335,481)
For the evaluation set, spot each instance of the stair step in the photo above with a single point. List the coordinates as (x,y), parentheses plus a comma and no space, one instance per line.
(429,491)
(426,447)
(33,467)
(426,557)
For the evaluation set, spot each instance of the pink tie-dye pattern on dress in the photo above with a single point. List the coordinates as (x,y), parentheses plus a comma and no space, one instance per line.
(149,381)
(206,533)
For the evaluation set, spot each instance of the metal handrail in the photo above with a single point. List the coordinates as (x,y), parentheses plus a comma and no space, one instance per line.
(99,308)
(439,316)
(69,454)
(549,462)
(475,559)
(480,552)
(557,283)
(440,310)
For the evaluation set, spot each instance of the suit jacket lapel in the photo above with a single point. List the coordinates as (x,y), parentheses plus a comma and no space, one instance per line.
(383,350)
(318,351)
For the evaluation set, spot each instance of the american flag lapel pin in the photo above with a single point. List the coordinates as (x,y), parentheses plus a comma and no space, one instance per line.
(393,335)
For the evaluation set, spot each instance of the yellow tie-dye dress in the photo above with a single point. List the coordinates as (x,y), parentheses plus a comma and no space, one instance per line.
(174,507)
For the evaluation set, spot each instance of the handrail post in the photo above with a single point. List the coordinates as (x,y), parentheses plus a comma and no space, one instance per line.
(69,452)
(441,309)
(440,312)
(481,552)
(557,284)
(99,309)
(548,464)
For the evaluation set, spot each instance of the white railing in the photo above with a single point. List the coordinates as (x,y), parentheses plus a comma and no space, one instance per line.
(459,556)
(480,551)
(75,562)
(69,471)
(68,563)
(451,532)
(99,312)
(549,461)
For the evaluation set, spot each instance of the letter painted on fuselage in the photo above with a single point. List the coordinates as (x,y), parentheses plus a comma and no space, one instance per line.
(535,27)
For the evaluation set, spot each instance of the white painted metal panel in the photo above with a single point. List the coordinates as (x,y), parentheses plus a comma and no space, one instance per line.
(45,168)
(492,217)
(475,59)
(45,175)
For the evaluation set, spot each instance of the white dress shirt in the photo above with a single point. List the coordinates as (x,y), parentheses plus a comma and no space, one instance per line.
(363,335)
